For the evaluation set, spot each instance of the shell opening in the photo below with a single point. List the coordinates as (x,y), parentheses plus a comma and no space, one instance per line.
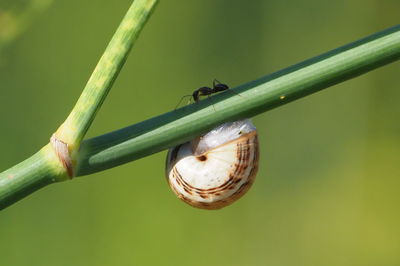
(222,134)
(201,158)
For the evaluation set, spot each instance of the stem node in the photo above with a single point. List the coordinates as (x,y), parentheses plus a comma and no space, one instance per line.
(61,149)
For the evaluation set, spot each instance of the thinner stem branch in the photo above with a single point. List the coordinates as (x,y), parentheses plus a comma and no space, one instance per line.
(79,120)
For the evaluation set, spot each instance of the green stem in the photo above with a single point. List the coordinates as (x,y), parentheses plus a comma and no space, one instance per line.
(79,120)
(250,99)
(30,175)
(46,166)
(180,125)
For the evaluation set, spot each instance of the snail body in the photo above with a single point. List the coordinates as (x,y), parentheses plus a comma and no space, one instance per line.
(215,169)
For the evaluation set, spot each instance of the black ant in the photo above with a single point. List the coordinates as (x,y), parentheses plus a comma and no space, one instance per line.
(203,91)
(206,91)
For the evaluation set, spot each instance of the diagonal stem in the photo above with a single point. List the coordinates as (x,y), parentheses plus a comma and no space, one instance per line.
(82,115)
(258,96)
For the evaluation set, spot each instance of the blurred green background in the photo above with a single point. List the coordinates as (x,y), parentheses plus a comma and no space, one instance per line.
(327,189)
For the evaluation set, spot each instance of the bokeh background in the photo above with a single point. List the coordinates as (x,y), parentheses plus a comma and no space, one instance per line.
(327,192)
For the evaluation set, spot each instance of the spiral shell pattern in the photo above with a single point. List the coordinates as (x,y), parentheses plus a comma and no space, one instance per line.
(212,176)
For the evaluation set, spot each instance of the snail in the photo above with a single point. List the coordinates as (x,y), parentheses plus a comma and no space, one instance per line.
(217,168)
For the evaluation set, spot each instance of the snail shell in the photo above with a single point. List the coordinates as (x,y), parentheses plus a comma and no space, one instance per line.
(214,170)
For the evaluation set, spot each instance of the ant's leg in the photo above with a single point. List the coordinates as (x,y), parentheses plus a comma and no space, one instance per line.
(182,99)
(212,102)
(236,93)
(190,99)
(215,82)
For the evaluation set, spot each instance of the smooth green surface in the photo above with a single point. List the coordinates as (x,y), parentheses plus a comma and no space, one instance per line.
(82,115)
(327,189)
(30,175)
(250,99)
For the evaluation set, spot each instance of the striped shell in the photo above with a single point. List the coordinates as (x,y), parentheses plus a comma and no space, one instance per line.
(214,170)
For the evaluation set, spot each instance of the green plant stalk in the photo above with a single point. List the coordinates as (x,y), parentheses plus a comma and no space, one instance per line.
(45,166)
(247,100)
(39,170)
(79,120)
(180,125)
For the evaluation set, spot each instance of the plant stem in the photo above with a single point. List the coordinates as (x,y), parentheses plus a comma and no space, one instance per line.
(79,120)
(250,99)
(30,175)
(55,161)
(180,125)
